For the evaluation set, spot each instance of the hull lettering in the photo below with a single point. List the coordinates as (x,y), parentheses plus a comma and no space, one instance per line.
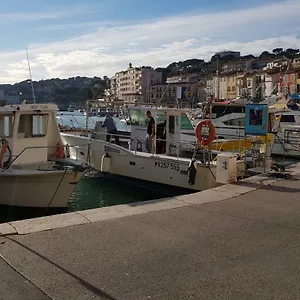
(166,165)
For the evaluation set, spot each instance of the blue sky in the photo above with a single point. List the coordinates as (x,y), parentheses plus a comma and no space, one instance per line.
(98,37)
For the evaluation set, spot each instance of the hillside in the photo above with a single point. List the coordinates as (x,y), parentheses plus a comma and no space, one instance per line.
(61,91)
(200,66)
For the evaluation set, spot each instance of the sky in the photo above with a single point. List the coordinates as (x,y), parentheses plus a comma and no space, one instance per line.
(100,37)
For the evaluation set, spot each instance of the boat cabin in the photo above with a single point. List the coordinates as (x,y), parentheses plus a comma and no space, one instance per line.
(169,123)
(29,131)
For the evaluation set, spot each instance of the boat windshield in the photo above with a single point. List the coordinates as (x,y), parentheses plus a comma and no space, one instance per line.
(186,124)
(6,126)
(222,110)
(138,117)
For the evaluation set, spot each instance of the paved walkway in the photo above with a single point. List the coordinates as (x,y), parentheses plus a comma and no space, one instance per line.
(242,247)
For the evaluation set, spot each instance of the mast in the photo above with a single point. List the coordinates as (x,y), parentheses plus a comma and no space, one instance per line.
(30,74)
(218,84)
(87,117)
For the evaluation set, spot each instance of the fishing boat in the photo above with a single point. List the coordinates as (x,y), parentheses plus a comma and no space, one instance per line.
(35,171)
(165,164)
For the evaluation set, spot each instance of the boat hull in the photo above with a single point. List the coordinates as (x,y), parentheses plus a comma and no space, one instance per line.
(144,166)
(37,189)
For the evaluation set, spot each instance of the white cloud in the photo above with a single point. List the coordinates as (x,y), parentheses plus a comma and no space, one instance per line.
(50,13)
(159,42)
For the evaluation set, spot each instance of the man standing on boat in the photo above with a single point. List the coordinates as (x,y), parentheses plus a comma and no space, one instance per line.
(150,131)
(111,129)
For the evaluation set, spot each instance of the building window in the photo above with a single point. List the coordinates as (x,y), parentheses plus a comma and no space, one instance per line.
(293,77)
(285,78)
(292,89)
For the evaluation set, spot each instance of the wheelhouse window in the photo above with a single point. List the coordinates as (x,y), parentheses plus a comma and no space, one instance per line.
(6,126)
(222,110)
(31,126)
(138,117)
(287,119)
(186,123)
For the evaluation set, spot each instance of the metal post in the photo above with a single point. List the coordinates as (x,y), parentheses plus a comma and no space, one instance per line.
(87,117)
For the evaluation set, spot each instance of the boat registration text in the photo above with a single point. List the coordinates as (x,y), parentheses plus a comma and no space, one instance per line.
(165,165)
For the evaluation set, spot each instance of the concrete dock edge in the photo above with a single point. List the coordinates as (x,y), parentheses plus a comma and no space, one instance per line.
(220,193)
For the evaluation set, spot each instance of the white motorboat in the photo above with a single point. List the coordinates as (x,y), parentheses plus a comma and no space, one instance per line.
(163,165)
(34,172)
(229,121)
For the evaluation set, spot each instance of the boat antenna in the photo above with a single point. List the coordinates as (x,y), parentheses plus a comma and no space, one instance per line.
(30,74)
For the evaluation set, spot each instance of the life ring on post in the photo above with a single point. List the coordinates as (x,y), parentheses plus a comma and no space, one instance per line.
(203,140)
(60,153)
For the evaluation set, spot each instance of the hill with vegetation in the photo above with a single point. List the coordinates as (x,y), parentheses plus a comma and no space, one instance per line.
(200,66)
(71,91)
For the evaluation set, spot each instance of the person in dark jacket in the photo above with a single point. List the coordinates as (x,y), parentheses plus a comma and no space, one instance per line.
(111,128)
(150,132)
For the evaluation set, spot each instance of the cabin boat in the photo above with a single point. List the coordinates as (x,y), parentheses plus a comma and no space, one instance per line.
(163,165)
(229,121)
(34,171)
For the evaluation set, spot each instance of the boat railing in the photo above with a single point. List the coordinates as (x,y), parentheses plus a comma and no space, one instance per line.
(177,147)
(291,139)
(51,161)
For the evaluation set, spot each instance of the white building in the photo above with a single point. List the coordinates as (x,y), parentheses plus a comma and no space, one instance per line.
(211,88)
(271,83)
(283,62)
(132,85)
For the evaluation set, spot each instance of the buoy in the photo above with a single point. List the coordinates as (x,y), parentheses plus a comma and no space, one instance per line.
(105,163)
(212,132)
(60,153)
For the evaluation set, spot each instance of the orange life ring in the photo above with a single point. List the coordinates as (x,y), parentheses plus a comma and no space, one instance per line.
(4,148)
(212,132)
(60,153)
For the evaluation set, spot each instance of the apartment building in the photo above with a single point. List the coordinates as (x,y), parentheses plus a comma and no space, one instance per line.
(289,82)
(296,67)
(174,92)
(277,64)
(227,86)
(212,87)
(249,85)
(132,85)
